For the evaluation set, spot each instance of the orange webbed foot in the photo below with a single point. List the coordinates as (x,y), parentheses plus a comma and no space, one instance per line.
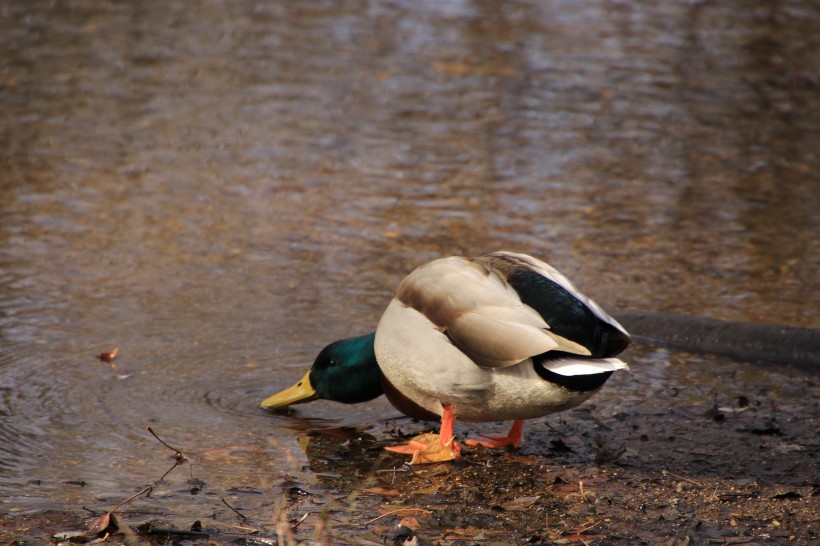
(430,447)
(513,438)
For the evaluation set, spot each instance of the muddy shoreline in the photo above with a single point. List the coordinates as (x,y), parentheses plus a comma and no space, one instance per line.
(734,463)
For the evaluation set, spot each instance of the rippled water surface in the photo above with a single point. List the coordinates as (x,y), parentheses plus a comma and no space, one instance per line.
(221,191)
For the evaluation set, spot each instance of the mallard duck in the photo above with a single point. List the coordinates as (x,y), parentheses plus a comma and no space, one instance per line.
(500,337)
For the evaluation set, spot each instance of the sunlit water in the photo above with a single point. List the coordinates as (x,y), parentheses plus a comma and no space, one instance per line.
(221,191)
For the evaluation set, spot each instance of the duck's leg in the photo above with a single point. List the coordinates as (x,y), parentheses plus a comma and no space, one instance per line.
(513,438)
(447,434)
(431,447)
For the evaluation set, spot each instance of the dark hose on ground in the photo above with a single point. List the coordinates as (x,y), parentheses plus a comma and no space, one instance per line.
(739,340)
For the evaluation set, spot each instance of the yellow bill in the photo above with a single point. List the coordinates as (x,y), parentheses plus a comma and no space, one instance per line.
(302,391)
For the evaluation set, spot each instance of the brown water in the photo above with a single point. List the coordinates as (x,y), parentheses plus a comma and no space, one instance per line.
(220,191)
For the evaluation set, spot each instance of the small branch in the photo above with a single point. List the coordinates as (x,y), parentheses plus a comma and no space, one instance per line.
(404,468)
(132,497)
(393,512)
(416,474)
(666,472)
(243,528)
(234,510)
(301,520)
(587,528)
(177,453)
(177,462)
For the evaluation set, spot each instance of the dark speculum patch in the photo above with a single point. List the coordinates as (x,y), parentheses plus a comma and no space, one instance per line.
(566,315)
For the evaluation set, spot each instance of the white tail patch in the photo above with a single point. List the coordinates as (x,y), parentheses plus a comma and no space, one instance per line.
(575,366)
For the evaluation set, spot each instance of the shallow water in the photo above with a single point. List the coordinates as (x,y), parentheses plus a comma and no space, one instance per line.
(220,192)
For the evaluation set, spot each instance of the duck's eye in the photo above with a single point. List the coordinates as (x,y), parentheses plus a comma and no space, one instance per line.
(332,364)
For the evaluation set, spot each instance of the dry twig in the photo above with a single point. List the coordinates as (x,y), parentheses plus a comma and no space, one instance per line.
(667,473)
(394,512)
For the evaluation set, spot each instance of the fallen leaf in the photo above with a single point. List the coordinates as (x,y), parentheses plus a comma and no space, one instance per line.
(522,503)
(109,356)
(382,491)
(464,69)
(410,522)
(559,446)
(429,490)
(108,521)
(606,453)
(96,526)
(396,512)
(435,452)
(726,409)
(70,536)
(578,537)
(788,495)
(452,69)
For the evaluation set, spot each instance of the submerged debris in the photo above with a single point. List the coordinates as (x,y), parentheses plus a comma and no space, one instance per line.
(109,356)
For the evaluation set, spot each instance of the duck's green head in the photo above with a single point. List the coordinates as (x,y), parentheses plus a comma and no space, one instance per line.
(345,371)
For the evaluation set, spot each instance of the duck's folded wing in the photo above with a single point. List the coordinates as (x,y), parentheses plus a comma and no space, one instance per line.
(493,337)
(480,313)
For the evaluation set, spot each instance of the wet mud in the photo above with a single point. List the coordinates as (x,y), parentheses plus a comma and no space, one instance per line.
(682,464)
